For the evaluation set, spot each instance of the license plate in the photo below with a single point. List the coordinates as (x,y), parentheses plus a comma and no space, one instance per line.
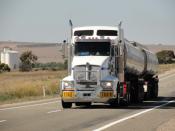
(106,94)
(68,94)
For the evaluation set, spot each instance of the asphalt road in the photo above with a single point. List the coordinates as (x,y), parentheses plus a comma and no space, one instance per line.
(48,115)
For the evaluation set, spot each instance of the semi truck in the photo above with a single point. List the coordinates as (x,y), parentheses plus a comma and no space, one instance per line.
(104,67)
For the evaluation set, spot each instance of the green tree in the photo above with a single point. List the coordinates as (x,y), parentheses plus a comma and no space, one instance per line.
(28,59)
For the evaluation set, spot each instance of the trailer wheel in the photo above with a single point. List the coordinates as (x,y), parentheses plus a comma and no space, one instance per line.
(66,104)
(137,94)
(134,96)
(128,98)
(154,93)
(147,95)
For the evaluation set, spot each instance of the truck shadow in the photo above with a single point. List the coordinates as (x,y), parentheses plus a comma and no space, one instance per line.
(144,105)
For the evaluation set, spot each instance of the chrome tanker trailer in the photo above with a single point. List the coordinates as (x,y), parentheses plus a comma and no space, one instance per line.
(104,67)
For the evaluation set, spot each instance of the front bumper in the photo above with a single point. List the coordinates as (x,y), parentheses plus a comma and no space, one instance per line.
(101,97)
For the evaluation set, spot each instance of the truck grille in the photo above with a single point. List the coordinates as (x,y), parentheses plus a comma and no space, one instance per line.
(86,73)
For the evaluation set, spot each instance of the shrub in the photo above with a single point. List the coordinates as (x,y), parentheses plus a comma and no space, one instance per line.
(4,67)
(54,66)
(165,56)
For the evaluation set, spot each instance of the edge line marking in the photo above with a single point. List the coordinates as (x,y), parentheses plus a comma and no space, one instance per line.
(131,116)
(2,121)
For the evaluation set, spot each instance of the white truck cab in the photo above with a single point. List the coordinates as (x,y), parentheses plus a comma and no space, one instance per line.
(90,79)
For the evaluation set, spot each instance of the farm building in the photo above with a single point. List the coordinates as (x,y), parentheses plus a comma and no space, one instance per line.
(11,58)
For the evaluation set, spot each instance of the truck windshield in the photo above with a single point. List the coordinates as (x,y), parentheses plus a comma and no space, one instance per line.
(83,32)
(92,48)
(107,33)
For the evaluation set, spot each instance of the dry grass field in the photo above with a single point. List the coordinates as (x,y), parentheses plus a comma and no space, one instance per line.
(22,85)
(17,86)
(165,67)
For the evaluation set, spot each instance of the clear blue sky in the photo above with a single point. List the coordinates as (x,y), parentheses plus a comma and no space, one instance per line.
(145,21)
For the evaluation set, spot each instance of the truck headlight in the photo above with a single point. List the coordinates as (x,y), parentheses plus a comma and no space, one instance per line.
(67,84)
(106,84)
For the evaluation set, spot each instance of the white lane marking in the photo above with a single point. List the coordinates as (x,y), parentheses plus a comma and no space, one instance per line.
(53,111)
(2,121)
(132,116)
(17,107)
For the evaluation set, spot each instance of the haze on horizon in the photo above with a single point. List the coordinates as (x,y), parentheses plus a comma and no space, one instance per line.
(145,21)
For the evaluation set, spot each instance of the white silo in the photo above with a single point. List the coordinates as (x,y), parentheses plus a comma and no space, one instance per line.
(2,57)
(11,58)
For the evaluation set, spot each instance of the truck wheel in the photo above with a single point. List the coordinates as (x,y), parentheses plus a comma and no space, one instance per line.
(154,93)
(87,104)
(147,95)
(113,104)
(141,94)
(137,95)
(126,101)
(66,104)
(78,104)
(128,98)
(134,95)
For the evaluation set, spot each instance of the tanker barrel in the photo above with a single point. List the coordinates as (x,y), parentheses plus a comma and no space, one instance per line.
(139,60)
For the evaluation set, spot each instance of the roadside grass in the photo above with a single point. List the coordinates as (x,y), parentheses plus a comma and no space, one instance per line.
(165,67)
(15,86)
(24,86)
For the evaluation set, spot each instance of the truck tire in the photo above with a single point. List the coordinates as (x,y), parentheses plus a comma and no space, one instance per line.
(78,104)
(113,104)
(66,104)
(154,93)
(128,98)
(87,104)
(126,101)
(141,94)
(137,94)
(147,95)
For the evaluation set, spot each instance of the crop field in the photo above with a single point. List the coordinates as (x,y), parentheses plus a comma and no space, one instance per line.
(19,86)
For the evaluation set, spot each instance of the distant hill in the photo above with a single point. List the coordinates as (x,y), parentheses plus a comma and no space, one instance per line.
(46,52)
(156,48)
(51,52)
